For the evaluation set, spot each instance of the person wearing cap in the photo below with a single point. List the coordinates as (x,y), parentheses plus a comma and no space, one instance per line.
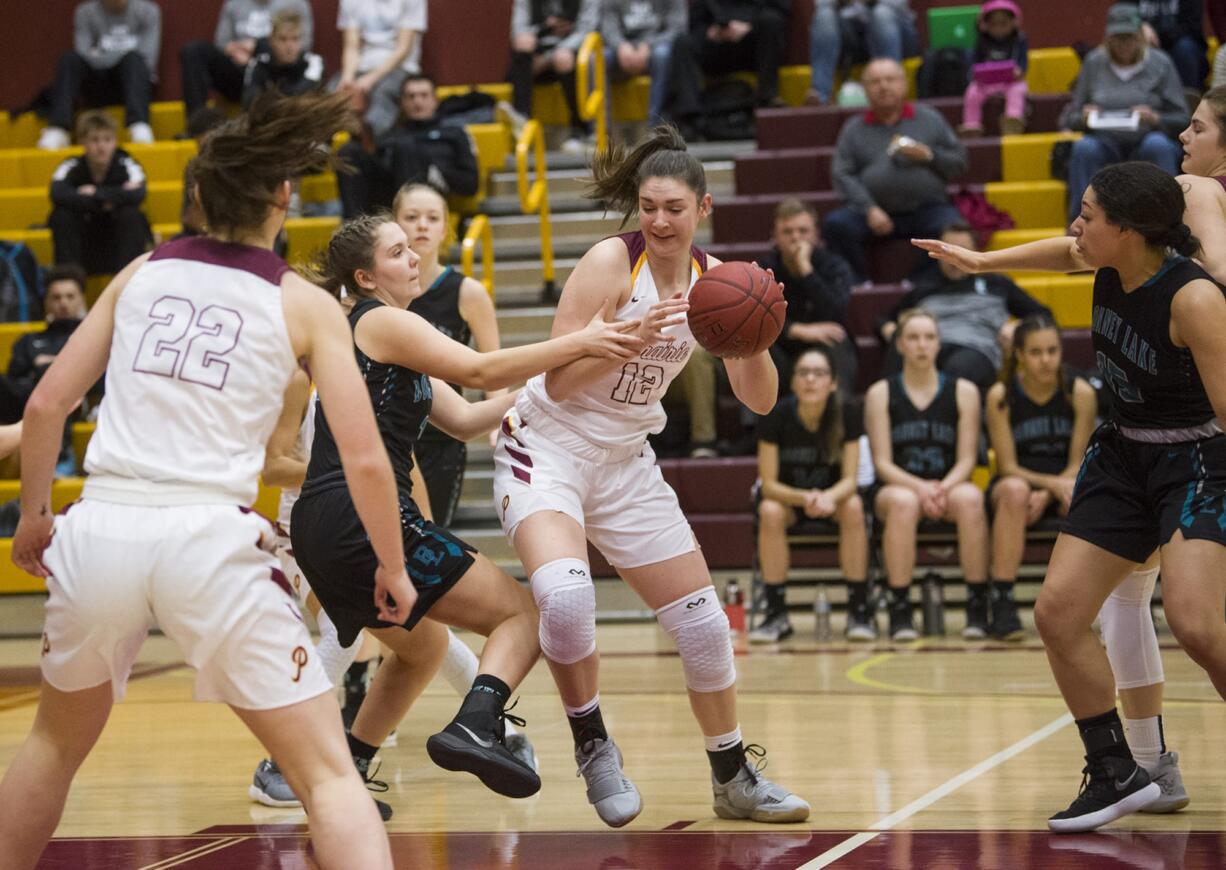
(1001,41)
(1129,102)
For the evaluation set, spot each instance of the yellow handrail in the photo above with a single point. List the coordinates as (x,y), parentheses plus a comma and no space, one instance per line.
(534,198)
(479,233)
(593,96)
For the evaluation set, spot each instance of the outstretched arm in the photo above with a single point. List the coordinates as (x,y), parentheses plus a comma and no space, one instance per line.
(1058,254)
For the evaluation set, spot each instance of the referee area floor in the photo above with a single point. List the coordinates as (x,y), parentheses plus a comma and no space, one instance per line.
(933,754)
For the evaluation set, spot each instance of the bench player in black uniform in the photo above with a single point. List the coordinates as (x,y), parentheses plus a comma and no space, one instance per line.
(371,259)
(1154,474)
(1039,421)
(924,457)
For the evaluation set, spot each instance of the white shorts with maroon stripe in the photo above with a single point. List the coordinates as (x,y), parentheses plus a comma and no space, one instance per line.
(204,574)
(618,495)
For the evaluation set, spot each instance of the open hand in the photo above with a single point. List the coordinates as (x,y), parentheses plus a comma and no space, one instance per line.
(964,258)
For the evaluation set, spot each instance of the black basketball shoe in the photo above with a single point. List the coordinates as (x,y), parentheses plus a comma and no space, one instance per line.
(483,753)
(372,784)
(1111,787)
(1006,624)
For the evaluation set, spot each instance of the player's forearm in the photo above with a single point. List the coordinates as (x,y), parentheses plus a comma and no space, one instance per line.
(564,381)
(41,436)
(1057,254)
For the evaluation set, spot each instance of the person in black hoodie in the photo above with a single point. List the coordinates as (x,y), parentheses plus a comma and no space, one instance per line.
(286,65)
(418,149)
(97,222)
(817,287)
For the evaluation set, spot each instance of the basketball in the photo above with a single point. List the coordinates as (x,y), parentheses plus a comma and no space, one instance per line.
(736,310)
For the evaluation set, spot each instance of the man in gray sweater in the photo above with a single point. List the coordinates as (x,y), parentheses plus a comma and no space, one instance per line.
(1129,102)
(242,32)
(890,168)
(114,60)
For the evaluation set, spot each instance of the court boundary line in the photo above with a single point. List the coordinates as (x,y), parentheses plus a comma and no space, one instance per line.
(929,798)
(192,854)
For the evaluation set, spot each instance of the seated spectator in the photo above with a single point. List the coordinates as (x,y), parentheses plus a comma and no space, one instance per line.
(1177,27)
(890,168)
(1039,419)
(417,149)
(114,60)
(923,427)
(638,37)
(808,456)
(696,389)
(286,66)
(972,312)
(545,40)
(34,352)
(846,32)
(380,48)
(96,221)
(1000,41)
(817,287)
(241,35)
(1123,83)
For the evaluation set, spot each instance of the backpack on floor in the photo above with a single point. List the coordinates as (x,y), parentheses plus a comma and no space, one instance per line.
(474,107)
(727,110)
(945,72)
(21,284)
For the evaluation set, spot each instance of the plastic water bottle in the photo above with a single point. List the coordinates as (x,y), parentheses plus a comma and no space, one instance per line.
(734,606)
(821,615)
(933,594)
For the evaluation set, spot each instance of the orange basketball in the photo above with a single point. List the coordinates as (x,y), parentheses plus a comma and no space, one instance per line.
(736,310)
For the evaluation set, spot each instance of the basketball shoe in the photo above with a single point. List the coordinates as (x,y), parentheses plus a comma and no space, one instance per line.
(1167,777)
(372,784)
(1111,787)
(774,628)
(614,796)
(976,612)
(902,624)
(749,795)
(861,626)
(519,746)
(268,787)
(1006,624)
(484,753)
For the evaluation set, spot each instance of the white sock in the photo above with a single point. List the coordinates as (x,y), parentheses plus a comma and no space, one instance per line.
(335,658)
(720,742)
(583,709)
(459,668)
(1145,741)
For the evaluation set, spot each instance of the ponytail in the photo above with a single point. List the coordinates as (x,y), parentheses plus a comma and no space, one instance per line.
(352,247)
(617,175)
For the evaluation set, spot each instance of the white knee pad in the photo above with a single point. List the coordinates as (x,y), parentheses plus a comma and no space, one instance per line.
(700,630)
(567,600)
(1128,632)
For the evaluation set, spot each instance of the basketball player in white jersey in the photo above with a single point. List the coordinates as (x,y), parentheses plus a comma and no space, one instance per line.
(573,465)
(198,341)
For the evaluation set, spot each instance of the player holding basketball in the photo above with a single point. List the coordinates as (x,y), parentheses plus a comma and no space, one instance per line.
(198,341)
(1154,474)
(573,464)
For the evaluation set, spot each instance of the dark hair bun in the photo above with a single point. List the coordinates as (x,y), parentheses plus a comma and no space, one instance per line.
(1181,240)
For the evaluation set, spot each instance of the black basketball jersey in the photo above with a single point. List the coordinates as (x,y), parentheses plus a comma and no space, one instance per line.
(924,443)
(804,461)
(441,306)
(401,398)
(1041,433)
(1154,384)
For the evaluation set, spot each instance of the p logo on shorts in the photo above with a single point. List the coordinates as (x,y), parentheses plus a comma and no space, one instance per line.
(300,657)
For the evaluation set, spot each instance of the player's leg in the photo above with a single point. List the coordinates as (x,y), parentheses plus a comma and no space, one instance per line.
(1009,496)
(898,508)
(774,518)
(35,786)
(1193,596)
(967,513)
(680,591)
(308,744)
(853,561)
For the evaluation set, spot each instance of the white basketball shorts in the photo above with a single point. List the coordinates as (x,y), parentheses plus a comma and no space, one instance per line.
(620,498)
(201,573)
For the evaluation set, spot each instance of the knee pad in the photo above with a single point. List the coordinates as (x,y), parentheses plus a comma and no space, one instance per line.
(1128,632)
(567,600)
(699,628)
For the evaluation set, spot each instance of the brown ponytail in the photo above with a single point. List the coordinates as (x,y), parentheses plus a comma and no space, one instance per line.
(352,247)
(616,174)
(243,162)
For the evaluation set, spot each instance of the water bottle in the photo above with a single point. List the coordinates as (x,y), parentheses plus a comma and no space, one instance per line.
(734,606)
(933,594)
(821,614)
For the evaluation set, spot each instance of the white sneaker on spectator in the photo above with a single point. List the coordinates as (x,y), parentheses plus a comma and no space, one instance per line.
(140,133)
(53,138)
(574,145)
(513,117)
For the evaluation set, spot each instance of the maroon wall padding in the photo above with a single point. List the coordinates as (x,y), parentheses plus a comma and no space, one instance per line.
(870,304)
(469,41)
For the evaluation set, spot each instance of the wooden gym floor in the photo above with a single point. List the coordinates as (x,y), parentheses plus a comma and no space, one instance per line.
(936,754)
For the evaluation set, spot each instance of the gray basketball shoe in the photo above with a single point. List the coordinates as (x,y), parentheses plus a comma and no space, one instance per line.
(614,796)
(269,787)
(749,795)
(1174,796)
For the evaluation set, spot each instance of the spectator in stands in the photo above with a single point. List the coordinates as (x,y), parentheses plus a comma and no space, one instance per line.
(417,149)
(923,427)
(696,388)
(973,312)
(1177,27)
(96,221)
(286,65)
(545,40)
(380,48)
(242,32)
(844,32)
(34,352)
(638,37)
(725,36)
(1129,102)
(114,60)
(808,457)
(1039,419)
(890,168)
(1000,42)
(817,287)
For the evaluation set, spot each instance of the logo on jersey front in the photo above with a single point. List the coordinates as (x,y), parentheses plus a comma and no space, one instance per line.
(300,658)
